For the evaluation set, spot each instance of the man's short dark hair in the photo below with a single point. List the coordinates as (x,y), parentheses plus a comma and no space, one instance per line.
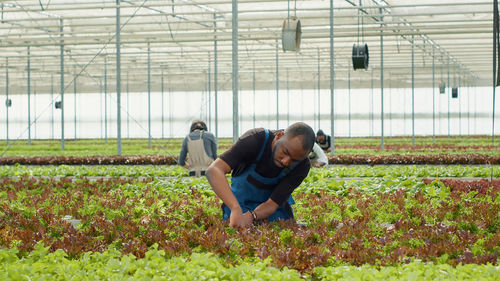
(198,125)
(302,129)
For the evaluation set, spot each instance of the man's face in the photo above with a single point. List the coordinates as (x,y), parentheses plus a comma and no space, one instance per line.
(288,151)
(321,138)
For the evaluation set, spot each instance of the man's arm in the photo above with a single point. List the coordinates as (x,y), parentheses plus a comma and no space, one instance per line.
(329,144)
(182,156)
(266,209)
(216,175)
(214,147)
(322,159)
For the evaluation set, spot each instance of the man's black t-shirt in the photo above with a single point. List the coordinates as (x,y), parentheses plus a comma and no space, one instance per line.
(245,151)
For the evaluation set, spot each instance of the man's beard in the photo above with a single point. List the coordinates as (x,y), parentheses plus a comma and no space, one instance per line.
(275,161)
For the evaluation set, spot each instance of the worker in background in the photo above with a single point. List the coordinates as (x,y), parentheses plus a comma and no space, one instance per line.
(324,141)
(318,157)
(266,168)
(202,148)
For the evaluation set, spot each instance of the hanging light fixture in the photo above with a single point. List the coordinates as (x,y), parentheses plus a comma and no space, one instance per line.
(454,90)
(360,55)
(442,84)
(291,32)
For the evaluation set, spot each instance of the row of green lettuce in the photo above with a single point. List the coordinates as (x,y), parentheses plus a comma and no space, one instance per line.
(334,171)
(112,265)
(371,146)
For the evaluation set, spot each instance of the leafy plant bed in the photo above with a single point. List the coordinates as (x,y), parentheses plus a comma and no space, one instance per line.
(112,265)
(431,159)
(343,146)
(339,226)
(90,160)
(406,148)
(331,171)
(480,186)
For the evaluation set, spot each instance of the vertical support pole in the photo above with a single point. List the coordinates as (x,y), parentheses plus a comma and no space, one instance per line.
(215,80)
(170,122)
(493,117)
(34,111)
(349,93)
(381,82)
(332,81)
(240,107)
(209,91)
(128,110)
(29,95)
(404,111)
(61,26)
(277,87)
(475,109)
(495,48)
(74,105)
(390,106)
(7,99)
(149,95)
(105,100)
(235,68)
(100,104)
(413,90)
(468,107)
(371,104)
(118,83)
(287,99)
(314,105)
(319,92)
(433,99)
(162,107)
(459,106)
(52,106)
(253,88)
(448,96)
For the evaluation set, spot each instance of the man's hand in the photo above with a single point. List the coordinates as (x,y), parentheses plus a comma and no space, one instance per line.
(237,219)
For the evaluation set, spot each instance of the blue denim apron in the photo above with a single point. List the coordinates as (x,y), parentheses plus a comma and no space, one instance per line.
(249,196)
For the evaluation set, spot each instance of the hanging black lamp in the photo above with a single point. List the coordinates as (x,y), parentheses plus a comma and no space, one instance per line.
(442,87)
(8,102)
(454,93)
(360,56)
(58,105)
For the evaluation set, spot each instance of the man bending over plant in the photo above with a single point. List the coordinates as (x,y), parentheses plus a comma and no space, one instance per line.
(266,168)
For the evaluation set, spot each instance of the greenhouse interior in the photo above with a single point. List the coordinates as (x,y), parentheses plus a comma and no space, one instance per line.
(125,124)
